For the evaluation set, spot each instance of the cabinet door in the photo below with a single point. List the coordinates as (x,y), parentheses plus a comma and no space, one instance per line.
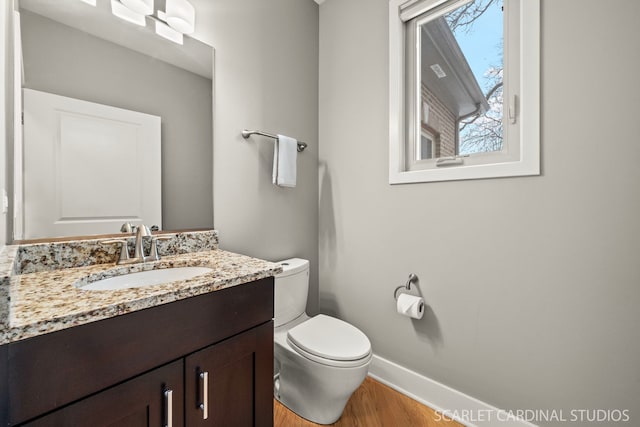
(231,383)
(140,402)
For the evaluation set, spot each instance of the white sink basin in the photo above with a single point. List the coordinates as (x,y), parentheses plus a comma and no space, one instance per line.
(146,278)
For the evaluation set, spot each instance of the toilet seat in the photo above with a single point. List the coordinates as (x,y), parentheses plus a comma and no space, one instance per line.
(330,341)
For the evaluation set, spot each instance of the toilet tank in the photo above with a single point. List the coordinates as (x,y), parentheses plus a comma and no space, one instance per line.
(291,288)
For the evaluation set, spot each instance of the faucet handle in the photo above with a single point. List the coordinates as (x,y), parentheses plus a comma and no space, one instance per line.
(124,250)
(153,253)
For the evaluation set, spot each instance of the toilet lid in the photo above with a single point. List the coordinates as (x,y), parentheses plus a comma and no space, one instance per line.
(330,338)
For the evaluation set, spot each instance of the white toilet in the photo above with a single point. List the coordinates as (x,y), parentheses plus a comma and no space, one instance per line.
(319,361)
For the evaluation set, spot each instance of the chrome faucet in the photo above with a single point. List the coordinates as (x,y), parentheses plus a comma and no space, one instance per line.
(127,227)
(138,253)
(141,231)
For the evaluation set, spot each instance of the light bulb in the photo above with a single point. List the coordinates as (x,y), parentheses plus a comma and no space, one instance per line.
(168,33)
(123,12)
(181,16)
(143,7)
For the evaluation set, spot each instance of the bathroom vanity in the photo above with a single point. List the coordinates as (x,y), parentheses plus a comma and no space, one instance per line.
(192,352)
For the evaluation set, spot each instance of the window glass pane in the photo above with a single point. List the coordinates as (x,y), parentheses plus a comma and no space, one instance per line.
(425,150)
(461,76)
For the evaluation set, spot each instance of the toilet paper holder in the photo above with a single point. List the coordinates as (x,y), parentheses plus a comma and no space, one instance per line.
(407,286)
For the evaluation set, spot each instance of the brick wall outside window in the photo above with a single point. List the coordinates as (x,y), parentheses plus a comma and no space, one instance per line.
(443,121)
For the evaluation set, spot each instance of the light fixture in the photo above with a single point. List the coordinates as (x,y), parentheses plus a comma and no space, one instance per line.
(181,16)
(178,18)
(168,33)
(437,69)
(91,2)
(123,12)
(143,7)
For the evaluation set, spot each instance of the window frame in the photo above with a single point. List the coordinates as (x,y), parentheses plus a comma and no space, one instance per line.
(524,138)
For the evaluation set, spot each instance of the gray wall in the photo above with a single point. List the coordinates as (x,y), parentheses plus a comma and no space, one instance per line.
(68,62)
(533,283)
(266,65)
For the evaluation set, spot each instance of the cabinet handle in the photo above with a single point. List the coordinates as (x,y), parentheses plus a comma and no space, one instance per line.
(168,404)
(204,383)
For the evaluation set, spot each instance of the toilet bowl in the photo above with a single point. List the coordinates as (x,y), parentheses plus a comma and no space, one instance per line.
(319,361)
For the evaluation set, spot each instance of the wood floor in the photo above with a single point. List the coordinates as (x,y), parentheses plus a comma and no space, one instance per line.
(372,405)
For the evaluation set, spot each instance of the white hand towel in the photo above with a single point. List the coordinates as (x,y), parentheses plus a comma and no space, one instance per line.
(285,156)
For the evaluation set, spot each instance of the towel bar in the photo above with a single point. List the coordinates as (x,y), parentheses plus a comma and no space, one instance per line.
(247,133)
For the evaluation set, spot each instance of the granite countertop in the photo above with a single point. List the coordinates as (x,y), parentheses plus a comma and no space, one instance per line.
(48,301)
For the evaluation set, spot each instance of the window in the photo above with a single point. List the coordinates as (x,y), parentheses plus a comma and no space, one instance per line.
(464,89)
(427,146)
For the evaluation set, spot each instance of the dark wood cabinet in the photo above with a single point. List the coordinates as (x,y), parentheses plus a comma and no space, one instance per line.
(145,401)
(115,371)
(230,383)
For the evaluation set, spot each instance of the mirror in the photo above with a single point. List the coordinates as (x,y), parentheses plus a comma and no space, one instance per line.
(76,50)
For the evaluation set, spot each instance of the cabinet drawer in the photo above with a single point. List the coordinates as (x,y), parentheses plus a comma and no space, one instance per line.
(55,369)
(140,402)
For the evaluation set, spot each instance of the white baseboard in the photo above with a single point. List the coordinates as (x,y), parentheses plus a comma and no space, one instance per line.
(463,408)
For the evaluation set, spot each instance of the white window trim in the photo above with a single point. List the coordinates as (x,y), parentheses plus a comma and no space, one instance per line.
(528,109)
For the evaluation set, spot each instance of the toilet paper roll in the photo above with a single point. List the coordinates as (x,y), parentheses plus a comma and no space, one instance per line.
(411,306)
